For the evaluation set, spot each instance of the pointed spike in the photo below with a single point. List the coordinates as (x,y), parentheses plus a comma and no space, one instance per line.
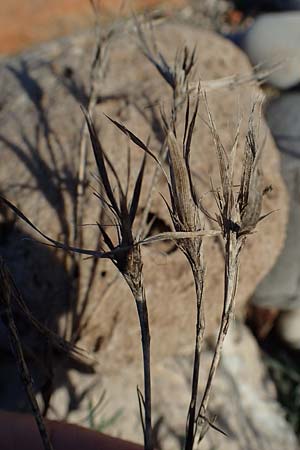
(99,157)
(141,408)
(106,238)
(53,242)
(177,235)
(192,61)
(186,123)
(137,191)
(138,142)
(191,131)
(133,138)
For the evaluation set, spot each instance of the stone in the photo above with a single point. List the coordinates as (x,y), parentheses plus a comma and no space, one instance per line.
(287,327)
(281,288)
(275,37)
(40,128)
(243,400)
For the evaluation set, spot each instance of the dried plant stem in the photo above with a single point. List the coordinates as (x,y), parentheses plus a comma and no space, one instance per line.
(8,319)
(198,274)
(134,278)
(142,309)
(233,245)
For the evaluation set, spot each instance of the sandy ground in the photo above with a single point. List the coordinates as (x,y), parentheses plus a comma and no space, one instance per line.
(25,23)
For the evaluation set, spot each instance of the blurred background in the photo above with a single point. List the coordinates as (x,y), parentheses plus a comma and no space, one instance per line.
(23,24)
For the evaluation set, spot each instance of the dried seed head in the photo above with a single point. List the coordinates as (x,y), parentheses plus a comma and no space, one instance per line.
(177,76)
(240,211)
(185,211)
(251,189)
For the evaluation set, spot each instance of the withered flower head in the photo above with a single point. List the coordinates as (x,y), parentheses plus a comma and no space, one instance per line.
(240,211)
(124,212)
(184,210)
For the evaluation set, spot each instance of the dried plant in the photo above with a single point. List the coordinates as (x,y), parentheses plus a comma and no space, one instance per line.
(239,211)
(239,207)
(176,76)
(125,254)
(187,216)
(127,258)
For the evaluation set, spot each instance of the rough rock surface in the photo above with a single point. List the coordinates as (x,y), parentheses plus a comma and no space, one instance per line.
(40,128)
(243,400)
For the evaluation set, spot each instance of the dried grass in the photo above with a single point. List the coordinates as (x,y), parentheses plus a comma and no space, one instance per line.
(238,212)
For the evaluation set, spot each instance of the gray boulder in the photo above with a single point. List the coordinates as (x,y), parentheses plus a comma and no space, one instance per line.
(275,37)
(281,288)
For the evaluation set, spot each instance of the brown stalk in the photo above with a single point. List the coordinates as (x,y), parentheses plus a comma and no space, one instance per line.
(130,265)
(233,246)
(187,218)
(184,210)
(185,213)
(129,262)
(238,215)
(134,279)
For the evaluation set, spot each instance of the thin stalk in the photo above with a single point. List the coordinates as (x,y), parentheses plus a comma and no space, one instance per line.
(232,250)
(200,327)
(142,310)
(133,275)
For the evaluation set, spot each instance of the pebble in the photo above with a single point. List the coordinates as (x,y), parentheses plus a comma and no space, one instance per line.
(281,288)
(275,37)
